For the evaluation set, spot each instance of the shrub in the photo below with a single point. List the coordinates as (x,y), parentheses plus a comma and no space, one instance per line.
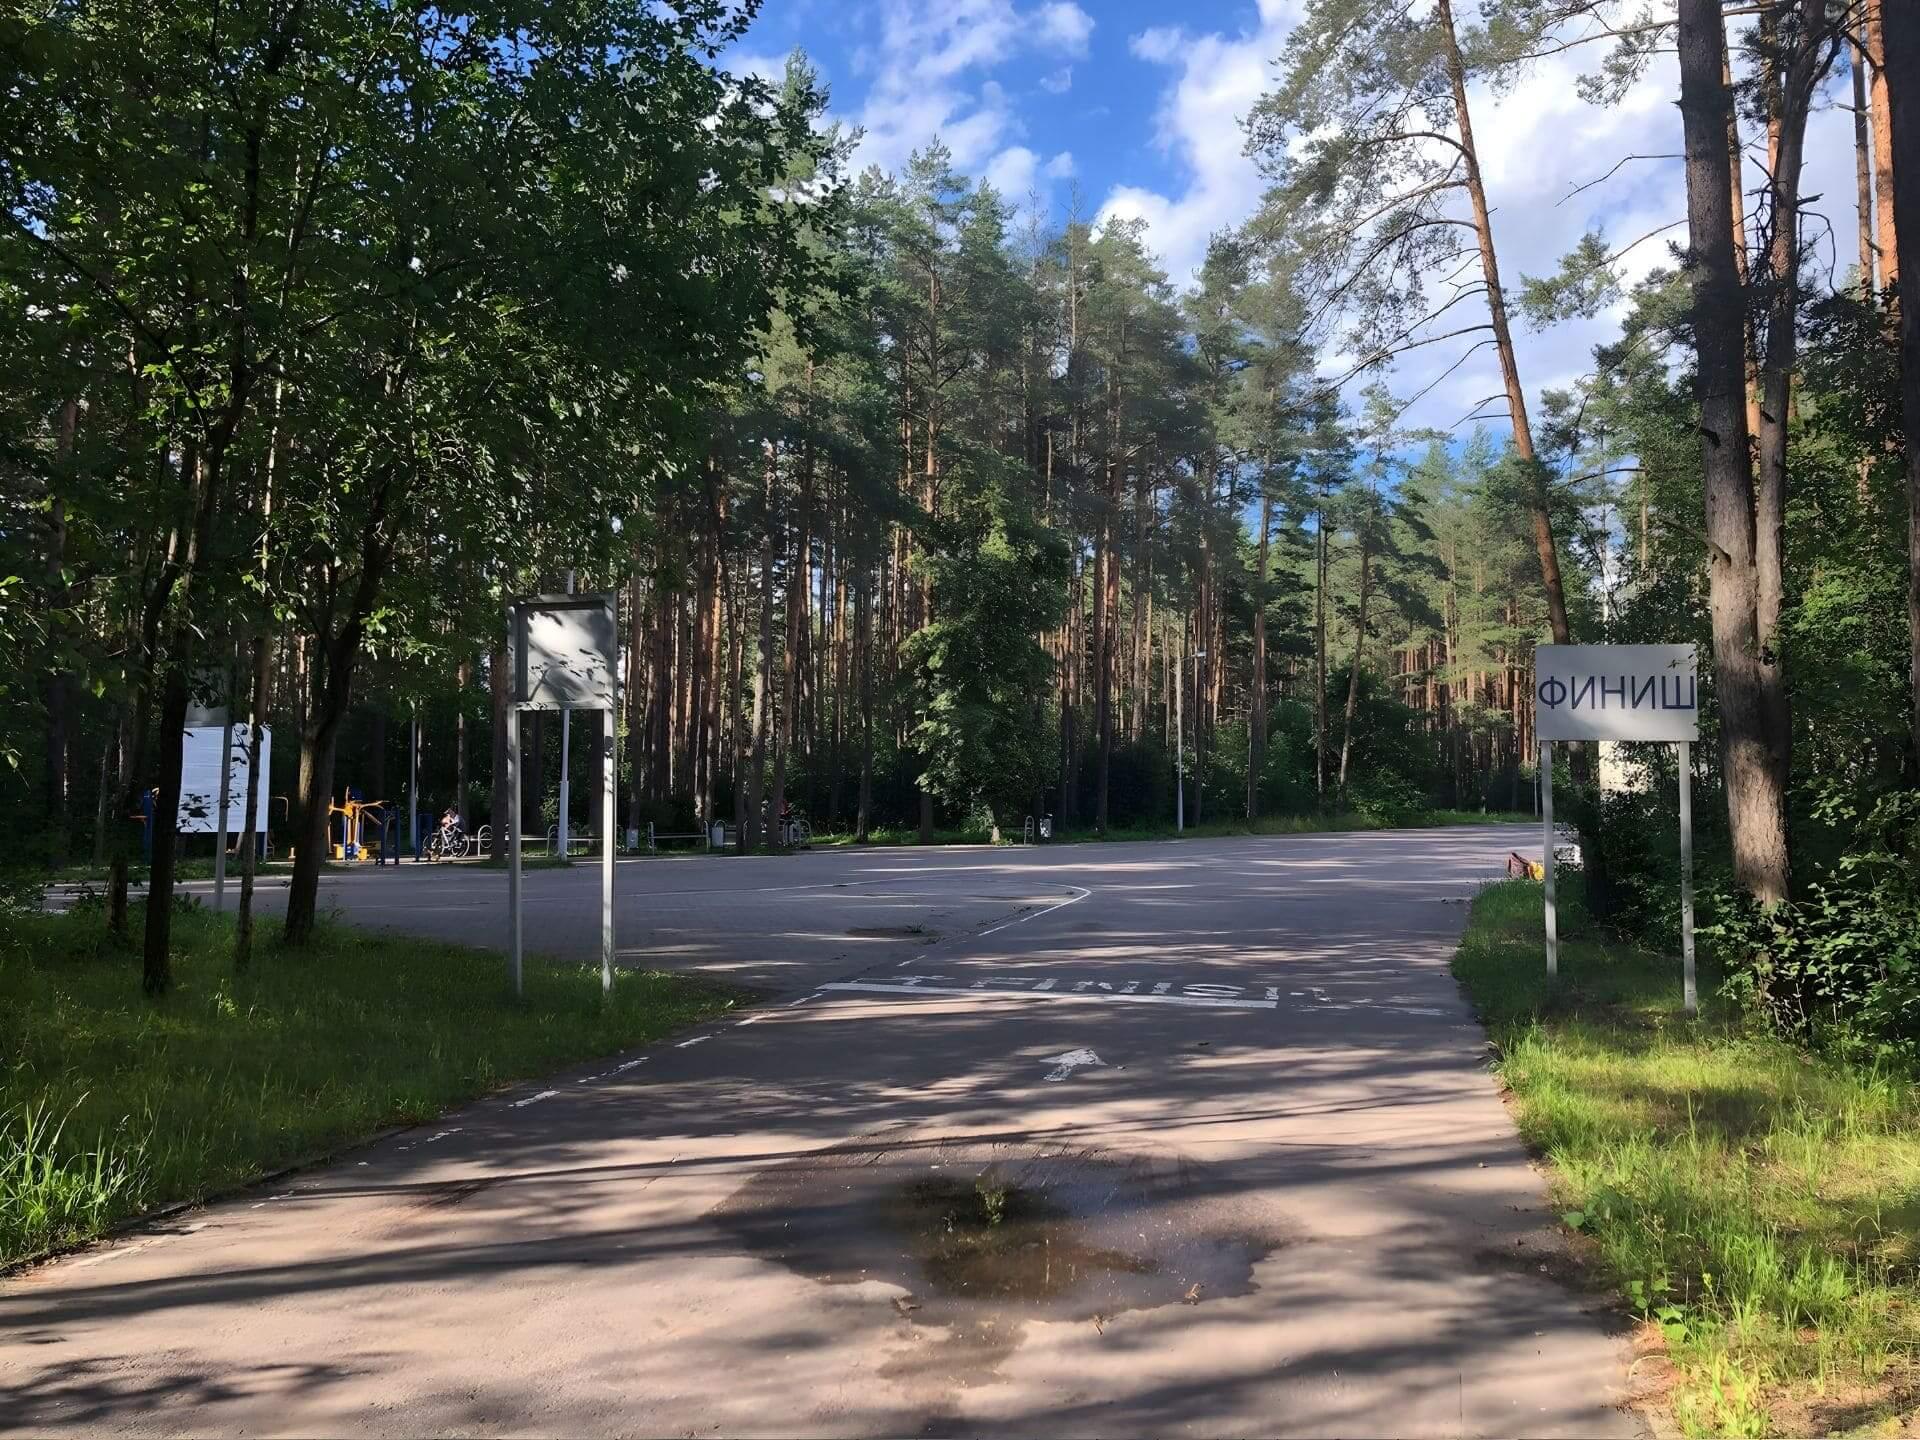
(1840,964)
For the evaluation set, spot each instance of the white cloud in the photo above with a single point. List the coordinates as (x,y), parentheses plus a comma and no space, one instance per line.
(768,67)
(1012,172)
(1064,25)
(1538,143)
(1060,167)
(922,67)
(1059,81)
(1159,45)
(1198,124)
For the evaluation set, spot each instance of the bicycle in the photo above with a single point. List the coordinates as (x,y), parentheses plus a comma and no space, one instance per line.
(446,843)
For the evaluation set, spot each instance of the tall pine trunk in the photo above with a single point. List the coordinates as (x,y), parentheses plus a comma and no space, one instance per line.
(1756,801)
(1901,29)
(249,842)
(1257,698)
(1359,651)
(1887,137)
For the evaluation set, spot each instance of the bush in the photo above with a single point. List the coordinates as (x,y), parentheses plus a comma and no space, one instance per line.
(1840,965)
(1383,795)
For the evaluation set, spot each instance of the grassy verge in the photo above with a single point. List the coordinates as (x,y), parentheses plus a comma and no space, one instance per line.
(1758,1206)
(1212,829)
(111,1105)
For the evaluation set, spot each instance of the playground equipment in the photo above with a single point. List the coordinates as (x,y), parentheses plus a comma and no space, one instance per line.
(355,843)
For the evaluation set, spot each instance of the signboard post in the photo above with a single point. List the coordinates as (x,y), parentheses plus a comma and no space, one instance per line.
(563,654)
(1620,692)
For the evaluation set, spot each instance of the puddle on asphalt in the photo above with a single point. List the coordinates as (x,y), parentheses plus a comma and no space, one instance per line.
(987,1237)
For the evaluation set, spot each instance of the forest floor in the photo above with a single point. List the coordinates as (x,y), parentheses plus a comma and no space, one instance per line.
(1757,1206)
(112,1106)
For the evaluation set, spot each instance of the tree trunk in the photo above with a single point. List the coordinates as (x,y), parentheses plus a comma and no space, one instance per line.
(1257,699)
(1901,69)
(340,654)
(1862,164)
(249,843)
(316,796)
(863,823)
(157,968)
(1359,650)
(1320,654)
(1737,225)
(157,972)
(763,685)
(1793,94)
(1756,803)
(1543,538)
(499,807)
(464,681)
(59,684)
(1886,178)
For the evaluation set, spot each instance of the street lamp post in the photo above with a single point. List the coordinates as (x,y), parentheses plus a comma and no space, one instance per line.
(1180,741)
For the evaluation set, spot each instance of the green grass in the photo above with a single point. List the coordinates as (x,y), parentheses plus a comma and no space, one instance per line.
(1757,1204)
(1212,829)
(111,1105)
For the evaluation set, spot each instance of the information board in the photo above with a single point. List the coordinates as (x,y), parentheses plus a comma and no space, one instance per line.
(200,780)
(566,652)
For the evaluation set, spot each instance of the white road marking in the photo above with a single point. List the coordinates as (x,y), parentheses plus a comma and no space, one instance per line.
(1197,1002)
(696,1040)
(801,1001)
(626,1065)
(1065,1064)
(1007,924)
(535,1099)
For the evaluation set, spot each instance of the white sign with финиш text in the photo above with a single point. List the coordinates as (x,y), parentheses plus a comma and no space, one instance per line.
(1616,692)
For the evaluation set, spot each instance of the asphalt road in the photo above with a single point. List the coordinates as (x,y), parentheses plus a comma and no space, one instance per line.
(1190,1138)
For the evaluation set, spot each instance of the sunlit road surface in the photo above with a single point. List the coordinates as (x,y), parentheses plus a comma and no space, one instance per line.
(1138,1139)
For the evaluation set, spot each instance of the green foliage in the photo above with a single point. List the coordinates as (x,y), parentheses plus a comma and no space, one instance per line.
(998,580)
(1840,964)
(111,1104)
(1755,1203)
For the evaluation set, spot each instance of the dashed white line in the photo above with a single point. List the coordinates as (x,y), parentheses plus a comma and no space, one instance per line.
(535,1099)
(1197,1002)
(696,1040)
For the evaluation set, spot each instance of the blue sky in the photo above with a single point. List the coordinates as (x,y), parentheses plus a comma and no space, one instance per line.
(1134,106)
(1042,97)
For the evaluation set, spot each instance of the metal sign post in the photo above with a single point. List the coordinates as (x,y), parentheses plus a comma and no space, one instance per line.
(1686,876)
(226,793)
(513,844)
(564,654)
(1546,865)
(413,788)
(1620,692)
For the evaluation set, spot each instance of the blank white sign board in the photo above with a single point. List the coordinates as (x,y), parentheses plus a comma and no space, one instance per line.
(200,780)
(566,651)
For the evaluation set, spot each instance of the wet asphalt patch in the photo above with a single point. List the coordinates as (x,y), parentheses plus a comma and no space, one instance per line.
(986,1237)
